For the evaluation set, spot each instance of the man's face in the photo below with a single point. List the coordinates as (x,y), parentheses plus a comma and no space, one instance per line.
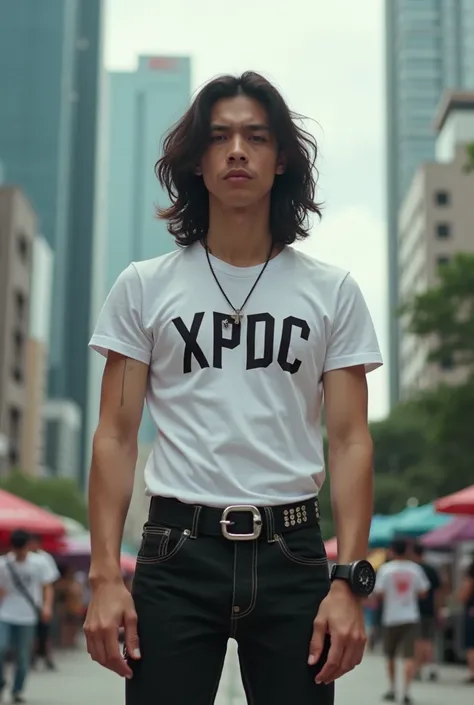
(241,161)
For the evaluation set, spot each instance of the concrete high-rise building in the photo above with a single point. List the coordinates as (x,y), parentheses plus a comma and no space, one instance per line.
(429,48)
(37,353)
(17,233)
(142,106)
(48,142)
(435,222)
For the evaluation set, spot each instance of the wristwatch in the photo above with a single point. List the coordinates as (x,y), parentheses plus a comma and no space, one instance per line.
(359,575)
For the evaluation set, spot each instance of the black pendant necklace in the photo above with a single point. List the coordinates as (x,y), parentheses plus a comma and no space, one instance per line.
(237,315)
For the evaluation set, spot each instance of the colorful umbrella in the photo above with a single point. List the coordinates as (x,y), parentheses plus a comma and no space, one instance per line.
(381,531)
(17,513)
(331,549)
(415,521)
(459,529)
(461,502)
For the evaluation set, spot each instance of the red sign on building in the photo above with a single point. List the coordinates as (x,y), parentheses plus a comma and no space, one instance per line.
(162,63)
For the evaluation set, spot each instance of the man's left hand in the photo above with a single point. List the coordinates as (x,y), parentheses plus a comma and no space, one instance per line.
(46,615)
(341,616)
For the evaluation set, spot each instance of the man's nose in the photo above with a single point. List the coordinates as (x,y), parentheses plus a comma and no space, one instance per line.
(237,150)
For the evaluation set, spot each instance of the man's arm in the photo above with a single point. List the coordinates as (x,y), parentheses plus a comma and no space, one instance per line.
(350,460)
(110,491)
(350,468)
(48,602)
(114,458)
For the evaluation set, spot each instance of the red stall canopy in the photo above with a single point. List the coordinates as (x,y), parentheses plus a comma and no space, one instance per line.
(461,502)
(331,548)
(17,513)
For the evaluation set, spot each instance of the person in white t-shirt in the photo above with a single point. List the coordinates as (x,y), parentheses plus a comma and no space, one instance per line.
(400,583)
(233,339)
(27,596)
(43,646)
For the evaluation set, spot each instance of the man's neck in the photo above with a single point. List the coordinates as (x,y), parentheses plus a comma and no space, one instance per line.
(240,237)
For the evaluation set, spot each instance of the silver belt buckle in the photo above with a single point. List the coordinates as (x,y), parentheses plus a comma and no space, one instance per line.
(241,508)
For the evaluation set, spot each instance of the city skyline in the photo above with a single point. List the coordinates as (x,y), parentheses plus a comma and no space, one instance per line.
(429,49)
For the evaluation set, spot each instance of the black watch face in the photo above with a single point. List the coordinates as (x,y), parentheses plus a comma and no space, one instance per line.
(363,578)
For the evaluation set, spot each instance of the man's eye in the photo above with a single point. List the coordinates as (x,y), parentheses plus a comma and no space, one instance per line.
(217,138)
(258,138)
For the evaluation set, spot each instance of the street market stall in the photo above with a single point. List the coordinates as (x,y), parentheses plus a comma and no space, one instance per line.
(17,513)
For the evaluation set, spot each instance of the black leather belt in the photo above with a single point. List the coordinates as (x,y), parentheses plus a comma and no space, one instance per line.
(242,522)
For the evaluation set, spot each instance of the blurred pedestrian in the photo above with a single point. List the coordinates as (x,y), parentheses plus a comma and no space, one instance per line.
(43,650)
(27,592)
(466,597)
(430,617)
(233,339)
(400,584)
(69,597)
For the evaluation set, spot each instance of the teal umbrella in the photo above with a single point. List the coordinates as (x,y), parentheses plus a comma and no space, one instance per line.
(416,521)
(381,531)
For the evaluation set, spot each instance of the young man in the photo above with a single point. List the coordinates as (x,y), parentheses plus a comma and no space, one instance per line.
(27,597)
(233,339)
(430,607)
(43,643)
(400,584)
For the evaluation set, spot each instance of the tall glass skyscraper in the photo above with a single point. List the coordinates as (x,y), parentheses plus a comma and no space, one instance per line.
(429,48)
(142,106)
(49,111)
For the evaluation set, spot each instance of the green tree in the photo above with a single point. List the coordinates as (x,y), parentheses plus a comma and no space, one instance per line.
(445,313)
(59,495)
(469,167)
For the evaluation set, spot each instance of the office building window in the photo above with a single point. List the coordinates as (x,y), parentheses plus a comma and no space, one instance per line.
(443,231)
(442,260)
(20,305)
(442,198)
(22,244)
(18,355)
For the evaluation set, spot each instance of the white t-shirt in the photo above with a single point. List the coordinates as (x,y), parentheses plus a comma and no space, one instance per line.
(237,408)
(400,582)
(34,573)
(50,563)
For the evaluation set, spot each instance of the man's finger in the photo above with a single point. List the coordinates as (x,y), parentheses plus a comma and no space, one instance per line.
(95,646)
(317,642)
(131,635)
(114,659)
(333,661)
(350,659)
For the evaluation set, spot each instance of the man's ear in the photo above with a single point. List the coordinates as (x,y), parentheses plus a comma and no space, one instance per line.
(281,165)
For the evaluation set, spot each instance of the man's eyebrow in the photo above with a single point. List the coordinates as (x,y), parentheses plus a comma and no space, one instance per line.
(254,126)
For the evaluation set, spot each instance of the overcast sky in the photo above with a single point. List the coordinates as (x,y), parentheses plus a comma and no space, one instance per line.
(327,58)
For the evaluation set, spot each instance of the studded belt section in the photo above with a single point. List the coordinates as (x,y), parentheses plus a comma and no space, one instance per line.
(239,520)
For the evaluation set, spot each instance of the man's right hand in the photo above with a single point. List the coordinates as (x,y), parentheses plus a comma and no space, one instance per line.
(112,607)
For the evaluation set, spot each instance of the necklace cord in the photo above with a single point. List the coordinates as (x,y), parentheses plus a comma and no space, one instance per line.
(237,310)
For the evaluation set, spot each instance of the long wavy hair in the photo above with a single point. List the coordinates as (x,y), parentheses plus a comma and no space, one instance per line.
(293,192)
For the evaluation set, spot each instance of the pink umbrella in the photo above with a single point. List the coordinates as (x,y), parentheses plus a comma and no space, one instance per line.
(331,548)
(461,502)
(460,529)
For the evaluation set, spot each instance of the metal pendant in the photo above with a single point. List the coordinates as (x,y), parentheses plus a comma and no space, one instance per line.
(237,317)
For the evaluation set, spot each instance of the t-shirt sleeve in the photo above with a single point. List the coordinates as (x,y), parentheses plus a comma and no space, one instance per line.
(422,584)
(119,327)
(353,340)
(3,574)
(380,581)
(51,572)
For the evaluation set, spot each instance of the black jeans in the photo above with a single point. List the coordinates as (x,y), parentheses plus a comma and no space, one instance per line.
(194,591)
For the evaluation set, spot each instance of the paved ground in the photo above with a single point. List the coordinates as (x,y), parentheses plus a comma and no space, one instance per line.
(80,682)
